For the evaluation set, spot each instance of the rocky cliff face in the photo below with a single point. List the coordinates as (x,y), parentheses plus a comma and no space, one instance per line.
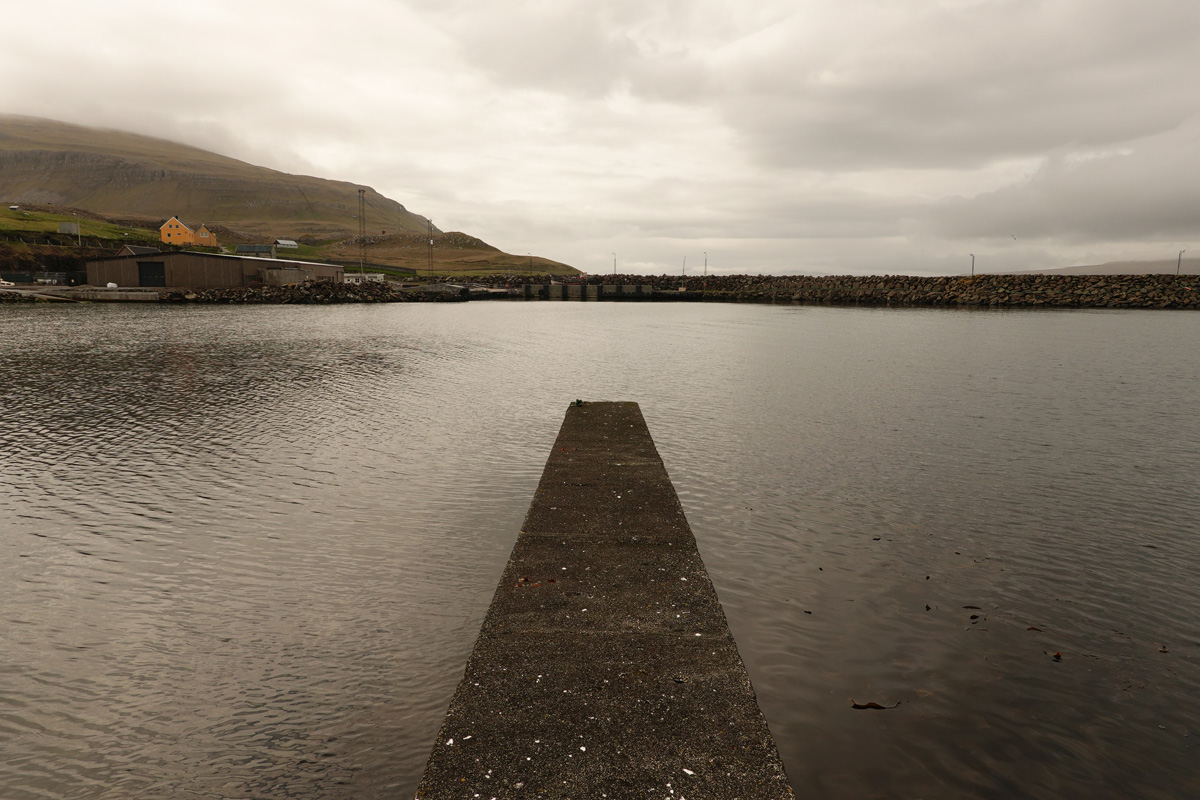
(41,176)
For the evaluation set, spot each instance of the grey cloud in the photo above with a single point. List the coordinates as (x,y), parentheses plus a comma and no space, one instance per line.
(794,134)
(870,84)
(751,208)
(966,89)
(587,49)
(1146,191)
(938,126)
(564,47)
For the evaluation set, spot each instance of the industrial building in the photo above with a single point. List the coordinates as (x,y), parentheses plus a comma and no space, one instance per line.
(256,250)
(189,270)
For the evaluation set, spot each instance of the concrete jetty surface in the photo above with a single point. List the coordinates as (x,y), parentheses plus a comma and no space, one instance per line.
(605,667)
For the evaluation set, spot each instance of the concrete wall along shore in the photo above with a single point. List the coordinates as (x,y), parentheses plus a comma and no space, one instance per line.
(605,666)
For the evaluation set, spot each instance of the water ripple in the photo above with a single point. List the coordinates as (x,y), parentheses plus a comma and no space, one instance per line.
(245,552)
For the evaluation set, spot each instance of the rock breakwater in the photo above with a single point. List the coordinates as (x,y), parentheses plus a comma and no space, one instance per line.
(1025,291)
(1012,291)
(991,291)
(307,293)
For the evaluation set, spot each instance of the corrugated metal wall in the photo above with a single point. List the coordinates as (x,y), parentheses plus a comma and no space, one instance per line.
(196,270)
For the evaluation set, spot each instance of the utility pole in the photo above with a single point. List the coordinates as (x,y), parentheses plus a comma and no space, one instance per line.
(972,265)
(1179,261)
(684,266)
(362,229)
(614,255)
(430,221)
(706,263)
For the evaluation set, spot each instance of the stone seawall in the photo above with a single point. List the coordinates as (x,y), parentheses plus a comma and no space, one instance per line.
(307,293)
(1013,291)
(1026,291)
(999,291)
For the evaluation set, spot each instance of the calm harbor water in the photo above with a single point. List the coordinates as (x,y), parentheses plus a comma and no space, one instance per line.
(244,552)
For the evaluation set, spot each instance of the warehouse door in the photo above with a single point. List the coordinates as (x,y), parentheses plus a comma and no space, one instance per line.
(152,273)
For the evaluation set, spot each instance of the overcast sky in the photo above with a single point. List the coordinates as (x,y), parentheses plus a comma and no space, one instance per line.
(857,136)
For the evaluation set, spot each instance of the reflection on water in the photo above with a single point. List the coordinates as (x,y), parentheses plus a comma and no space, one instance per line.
(244,552)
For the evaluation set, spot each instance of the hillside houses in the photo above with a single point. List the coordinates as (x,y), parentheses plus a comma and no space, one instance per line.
(174,231)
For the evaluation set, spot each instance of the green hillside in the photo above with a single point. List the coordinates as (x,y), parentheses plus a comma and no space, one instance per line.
(115,173)
(42,221)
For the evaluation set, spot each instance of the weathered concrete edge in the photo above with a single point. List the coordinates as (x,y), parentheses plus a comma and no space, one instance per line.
(578,682)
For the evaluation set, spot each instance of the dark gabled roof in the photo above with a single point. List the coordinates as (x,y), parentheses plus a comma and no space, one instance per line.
(139,250)
(177,219)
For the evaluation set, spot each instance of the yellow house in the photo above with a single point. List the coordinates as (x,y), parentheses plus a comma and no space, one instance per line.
(205,237)
(173,231)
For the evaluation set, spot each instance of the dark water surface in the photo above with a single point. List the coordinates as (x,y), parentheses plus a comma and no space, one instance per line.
(244,552)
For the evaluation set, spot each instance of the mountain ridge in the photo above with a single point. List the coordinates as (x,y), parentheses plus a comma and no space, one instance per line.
(116,172)
(141,181)
(1161,266)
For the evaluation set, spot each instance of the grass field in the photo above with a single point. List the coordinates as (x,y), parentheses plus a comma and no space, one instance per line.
(36,221)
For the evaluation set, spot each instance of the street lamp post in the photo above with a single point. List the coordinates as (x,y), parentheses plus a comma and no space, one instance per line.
(684,266)
(1179,261)
(706,263)
(972,265)
(614,255)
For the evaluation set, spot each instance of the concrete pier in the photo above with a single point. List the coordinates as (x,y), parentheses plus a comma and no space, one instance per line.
(605,667)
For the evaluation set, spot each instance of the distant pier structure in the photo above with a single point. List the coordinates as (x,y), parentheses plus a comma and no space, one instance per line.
(582,291)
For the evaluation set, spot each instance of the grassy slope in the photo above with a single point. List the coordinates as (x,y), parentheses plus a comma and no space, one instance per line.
(114,172)
(455,254)
(138,181)
(44,221)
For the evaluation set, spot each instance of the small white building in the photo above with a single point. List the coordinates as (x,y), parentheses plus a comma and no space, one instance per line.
(287,244)
(363,277)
